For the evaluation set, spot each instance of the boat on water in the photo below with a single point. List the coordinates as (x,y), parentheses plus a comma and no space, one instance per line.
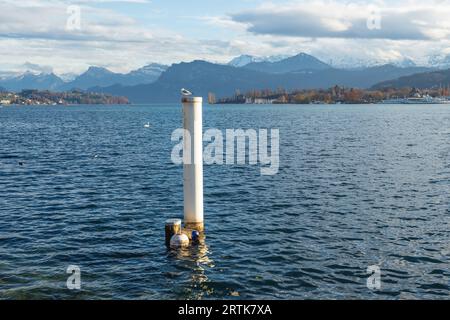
(418,99)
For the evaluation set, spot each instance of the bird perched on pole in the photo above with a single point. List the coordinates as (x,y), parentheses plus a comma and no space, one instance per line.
(185,92)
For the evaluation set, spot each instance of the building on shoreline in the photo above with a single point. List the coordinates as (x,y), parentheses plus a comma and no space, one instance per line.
(251,100)
(211,98)
(341,95)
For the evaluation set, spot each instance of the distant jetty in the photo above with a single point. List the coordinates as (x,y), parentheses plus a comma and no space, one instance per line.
(74,97)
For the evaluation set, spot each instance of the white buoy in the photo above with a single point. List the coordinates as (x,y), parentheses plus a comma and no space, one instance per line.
(179,241)
(193,172)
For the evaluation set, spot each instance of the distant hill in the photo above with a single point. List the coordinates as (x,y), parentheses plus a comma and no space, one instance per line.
(147,74)
(32,81)
(101,77)
(426,80)
(199,76)
(45,97)
(298,63)
(202,77)
(94,76)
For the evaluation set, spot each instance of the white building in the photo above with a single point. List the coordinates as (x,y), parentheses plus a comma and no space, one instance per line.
(259,101)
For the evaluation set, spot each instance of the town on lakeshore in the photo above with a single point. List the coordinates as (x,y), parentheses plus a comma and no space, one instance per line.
(35,97)
(334,95)
(339,95)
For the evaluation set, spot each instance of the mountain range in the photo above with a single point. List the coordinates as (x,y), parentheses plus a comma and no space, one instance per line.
(29,80)
(94,76)
(436,60)
(299,63)
(202,77)
(160,83)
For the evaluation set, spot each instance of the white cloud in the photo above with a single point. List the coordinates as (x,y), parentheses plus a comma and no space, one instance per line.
(37,68)
(337,31)
(224,22)
(49,22)
(334,19)
(34,31)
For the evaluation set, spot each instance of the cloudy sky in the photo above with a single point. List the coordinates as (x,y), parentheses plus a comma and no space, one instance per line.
(125,34)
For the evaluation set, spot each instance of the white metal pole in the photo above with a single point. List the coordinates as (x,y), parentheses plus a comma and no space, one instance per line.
(193,171)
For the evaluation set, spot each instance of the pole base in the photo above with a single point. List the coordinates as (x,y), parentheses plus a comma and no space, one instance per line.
(199,226)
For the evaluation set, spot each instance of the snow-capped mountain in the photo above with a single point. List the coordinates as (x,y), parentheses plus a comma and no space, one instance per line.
(352,63)
(246,59)
(148,74)
(67,77)
(29,80)
(93,77)
(242,61)
(404,63)
(441,61)
(276,58)
(299,63)
(4,75)
(102,77)
(347,62)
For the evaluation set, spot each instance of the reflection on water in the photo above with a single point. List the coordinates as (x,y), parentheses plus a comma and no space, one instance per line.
(194,259)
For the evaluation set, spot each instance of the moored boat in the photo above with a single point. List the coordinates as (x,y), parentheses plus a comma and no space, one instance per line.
(418,99)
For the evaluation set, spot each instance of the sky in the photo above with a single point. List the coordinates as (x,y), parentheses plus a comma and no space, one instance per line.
(69,36)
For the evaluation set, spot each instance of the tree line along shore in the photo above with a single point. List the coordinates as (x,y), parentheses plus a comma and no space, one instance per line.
(35,97)
(334,95)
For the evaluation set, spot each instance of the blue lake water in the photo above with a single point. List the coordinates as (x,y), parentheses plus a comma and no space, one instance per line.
(357,186)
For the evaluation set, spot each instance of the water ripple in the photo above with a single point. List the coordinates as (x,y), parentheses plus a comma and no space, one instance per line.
(358,186)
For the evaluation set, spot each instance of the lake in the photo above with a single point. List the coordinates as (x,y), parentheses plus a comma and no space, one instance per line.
(358,186)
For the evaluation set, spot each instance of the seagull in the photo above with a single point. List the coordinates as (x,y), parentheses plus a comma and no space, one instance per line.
(147,125)
(185,92)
